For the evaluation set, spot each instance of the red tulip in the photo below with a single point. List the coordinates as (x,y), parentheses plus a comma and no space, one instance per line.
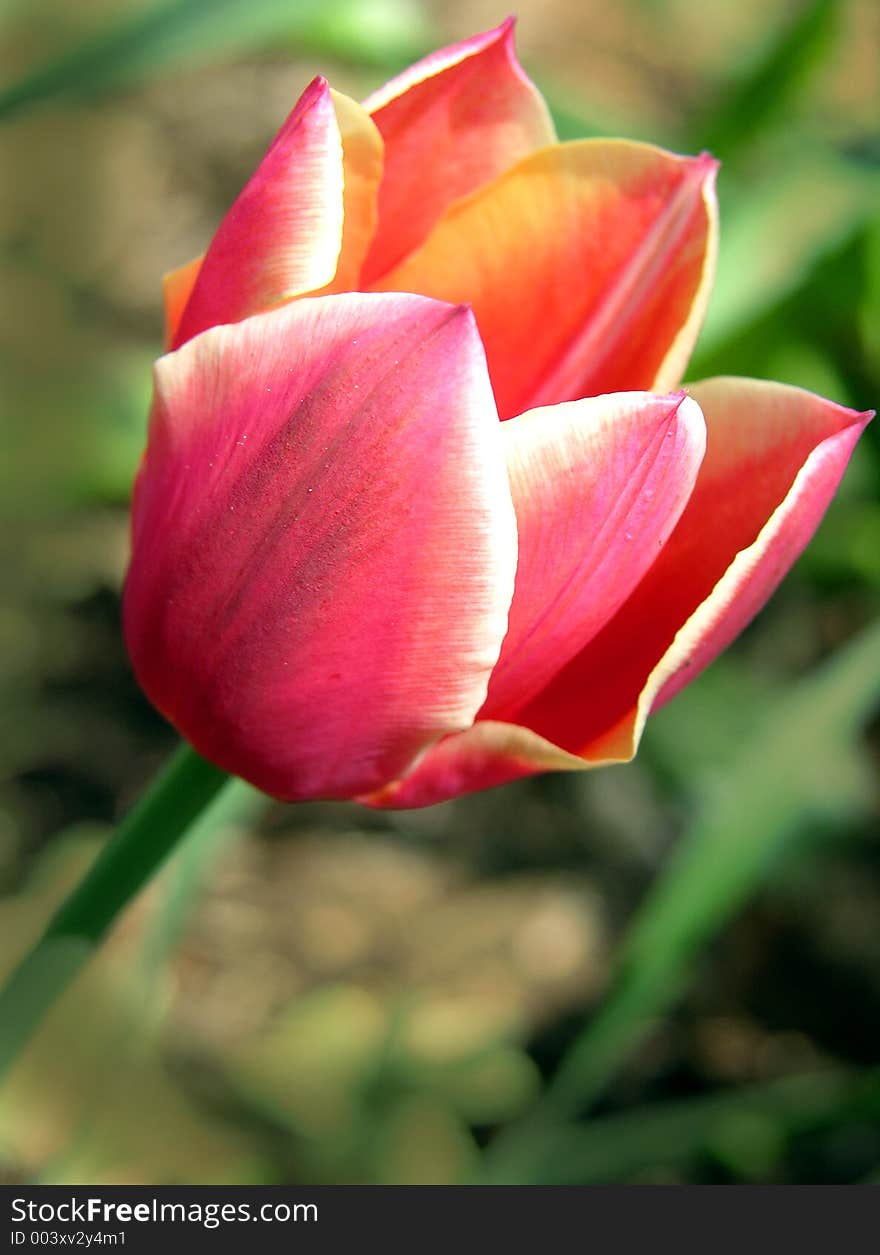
(349,579)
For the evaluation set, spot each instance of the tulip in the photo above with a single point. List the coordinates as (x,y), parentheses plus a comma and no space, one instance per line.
(349,579)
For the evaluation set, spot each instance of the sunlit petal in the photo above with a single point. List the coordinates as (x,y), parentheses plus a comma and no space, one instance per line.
(450,123)
(587,265)
(295,600)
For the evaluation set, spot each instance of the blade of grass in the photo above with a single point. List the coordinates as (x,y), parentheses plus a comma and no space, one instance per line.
(775,236)
(237,808)
(133,854)
(801,765)
(762,95)
(197,30)
(615,1148)
(126,50)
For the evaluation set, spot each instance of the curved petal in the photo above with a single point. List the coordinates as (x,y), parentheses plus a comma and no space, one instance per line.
(588,267)
(362,165)
(362,174)
(482,757)
(177,286)
(282,235)
(298,605)
(598,485)
(774,458)
(450,123)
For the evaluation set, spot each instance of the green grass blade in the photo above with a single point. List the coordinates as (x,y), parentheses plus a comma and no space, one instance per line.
(616,1148)
(133,854)
(761,97)
(196,30)
(775,235)
(801,765)
(238,808)
(125,51)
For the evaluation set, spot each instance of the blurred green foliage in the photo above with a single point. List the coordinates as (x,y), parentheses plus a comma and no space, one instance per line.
(326,995)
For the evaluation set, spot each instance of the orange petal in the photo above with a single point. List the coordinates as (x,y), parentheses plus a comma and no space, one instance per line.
(774,457)
(588,268)
(177,286)
(450,123)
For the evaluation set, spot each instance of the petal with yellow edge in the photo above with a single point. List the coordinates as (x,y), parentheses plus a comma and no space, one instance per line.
(483,757)
(588,267)
(451,123)
(362,174)
(362,165)
(774,457)
(598,486)
(282,235)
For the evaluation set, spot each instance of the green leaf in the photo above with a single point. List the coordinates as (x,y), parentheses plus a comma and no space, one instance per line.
(198,30)
(802,764)
(799,766)
(93,1099)
(145,838)
(869,308)
(762,95)
(310,1068)
(236,809)
(774,233)
(745,1128)
(590,116)
(424,1143)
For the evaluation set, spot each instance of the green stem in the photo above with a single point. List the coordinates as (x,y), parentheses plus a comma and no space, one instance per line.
(133,854)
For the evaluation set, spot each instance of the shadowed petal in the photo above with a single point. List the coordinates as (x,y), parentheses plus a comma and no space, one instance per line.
(486,755)
(588,267)
(774,457)
(298,604)
(282,235)
(450,123)
(598,485)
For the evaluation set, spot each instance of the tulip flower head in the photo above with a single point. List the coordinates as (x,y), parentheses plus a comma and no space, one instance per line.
(424,507)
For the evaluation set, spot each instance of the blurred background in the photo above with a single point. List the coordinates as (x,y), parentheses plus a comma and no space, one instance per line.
(664,972)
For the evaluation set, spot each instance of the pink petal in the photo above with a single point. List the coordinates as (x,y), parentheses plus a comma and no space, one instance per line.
(774,458)
(450,123)
(362,174)
(283,234)
(588,267)
(482,757)
(598,485)
(324,541)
